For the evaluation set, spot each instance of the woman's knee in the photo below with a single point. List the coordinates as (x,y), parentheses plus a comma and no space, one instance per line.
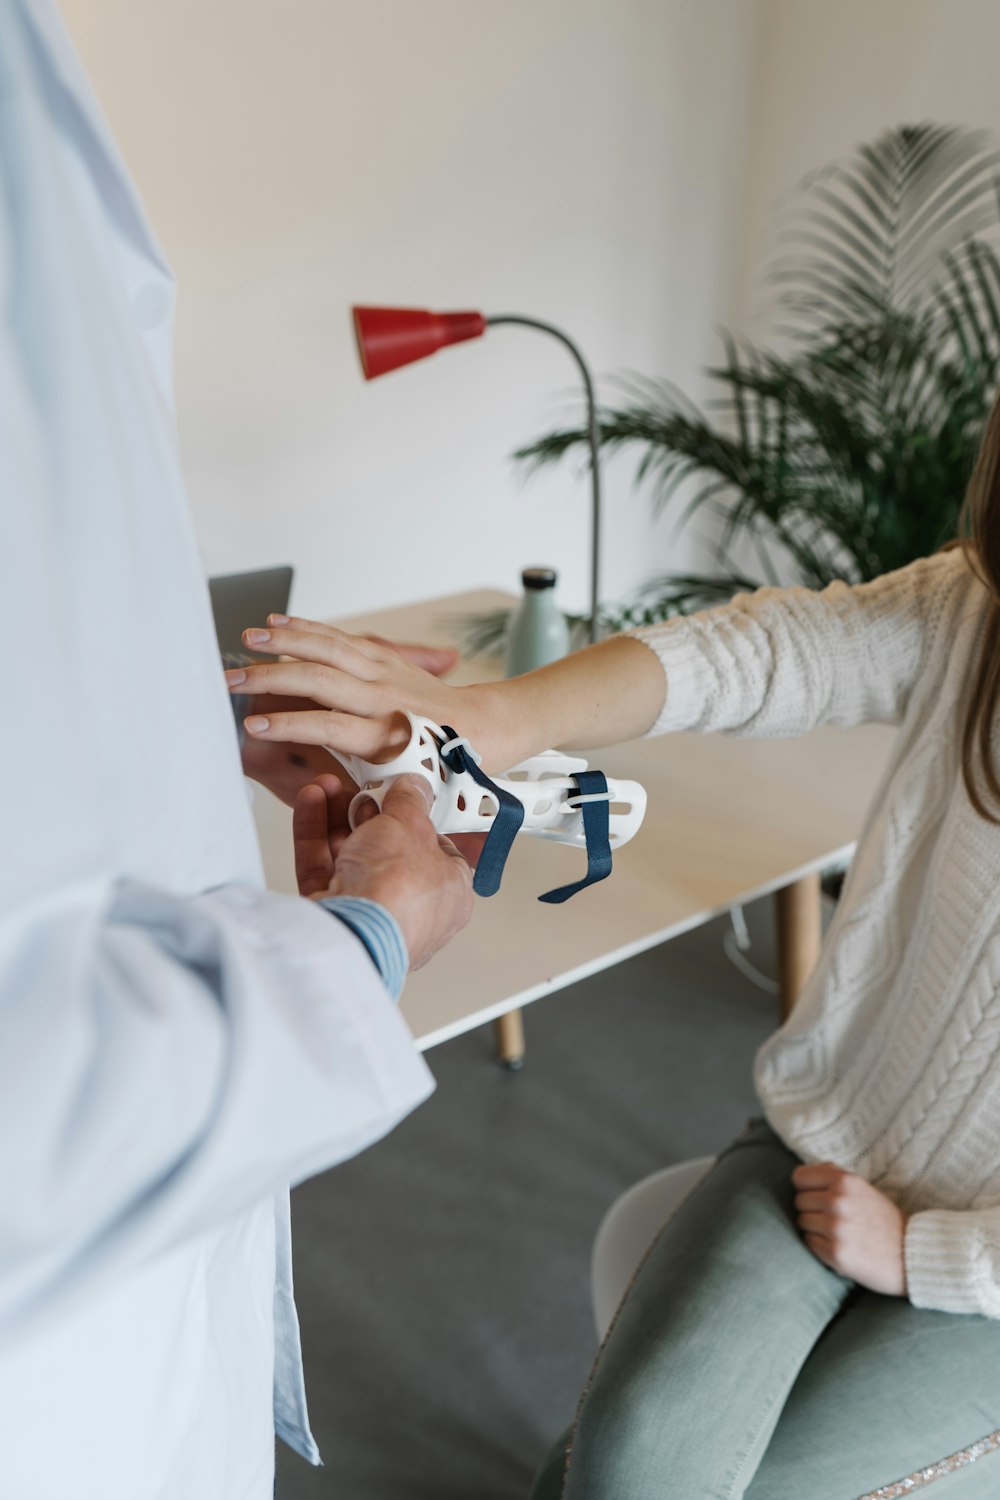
(630,1441)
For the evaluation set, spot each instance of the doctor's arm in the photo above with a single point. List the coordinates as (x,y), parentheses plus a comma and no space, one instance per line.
(167,1060)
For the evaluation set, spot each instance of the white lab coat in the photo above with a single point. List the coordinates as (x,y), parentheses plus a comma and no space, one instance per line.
(176,1046)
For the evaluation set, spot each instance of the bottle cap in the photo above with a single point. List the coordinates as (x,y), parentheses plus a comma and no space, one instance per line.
(539,578)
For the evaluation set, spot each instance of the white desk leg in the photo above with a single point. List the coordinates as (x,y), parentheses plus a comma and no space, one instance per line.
(798,914)
(508,1032)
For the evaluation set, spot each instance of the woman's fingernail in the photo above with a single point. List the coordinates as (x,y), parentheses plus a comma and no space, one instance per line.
(235,676)
(256,725)
(277,619)
(256,637)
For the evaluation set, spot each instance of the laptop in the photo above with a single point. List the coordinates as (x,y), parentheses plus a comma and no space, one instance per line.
(243,599)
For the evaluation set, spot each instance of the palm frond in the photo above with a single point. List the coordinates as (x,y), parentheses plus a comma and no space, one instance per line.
(871,232)
(848,455)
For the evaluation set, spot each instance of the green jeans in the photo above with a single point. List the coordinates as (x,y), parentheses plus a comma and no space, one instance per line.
(740,1366)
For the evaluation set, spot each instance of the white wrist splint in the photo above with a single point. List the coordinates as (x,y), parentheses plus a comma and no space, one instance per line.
(545,787)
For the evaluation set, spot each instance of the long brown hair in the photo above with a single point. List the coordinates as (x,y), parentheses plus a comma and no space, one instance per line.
(979,536)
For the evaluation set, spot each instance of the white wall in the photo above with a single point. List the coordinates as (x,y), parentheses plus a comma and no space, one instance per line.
(580,160)
(829,76)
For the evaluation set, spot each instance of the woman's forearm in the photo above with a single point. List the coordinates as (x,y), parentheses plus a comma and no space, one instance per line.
(361,691)
(599,696)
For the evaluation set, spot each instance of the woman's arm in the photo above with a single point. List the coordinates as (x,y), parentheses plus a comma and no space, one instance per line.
(775,663)
(780,662)
(600,696)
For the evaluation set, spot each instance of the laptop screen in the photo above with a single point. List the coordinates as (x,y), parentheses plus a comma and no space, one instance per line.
(242,599)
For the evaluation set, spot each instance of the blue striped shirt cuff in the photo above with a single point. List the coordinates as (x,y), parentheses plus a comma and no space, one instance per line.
(380,933)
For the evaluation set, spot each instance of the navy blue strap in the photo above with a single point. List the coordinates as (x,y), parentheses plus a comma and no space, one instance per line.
(510,816)
(596,831)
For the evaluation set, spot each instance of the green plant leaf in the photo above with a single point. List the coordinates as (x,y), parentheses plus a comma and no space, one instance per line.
(849,451)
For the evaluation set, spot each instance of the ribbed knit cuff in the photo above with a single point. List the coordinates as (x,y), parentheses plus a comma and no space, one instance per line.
(688,675)
(947,1267)
(379,932)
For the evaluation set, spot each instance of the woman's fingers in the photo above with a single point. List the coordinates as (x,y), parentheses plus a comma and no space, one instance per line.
(367,738)
(328,638)
(817,1174)
(815,1201)
(822,1249)
(330,647)
(433,659)
(816,1224)
(317,627)
(437,660)
(298,623)
(305,679)
(352,693)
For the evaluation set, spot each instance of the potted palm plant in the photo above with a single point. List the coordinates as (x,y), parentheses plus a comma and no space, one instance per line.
(842,449)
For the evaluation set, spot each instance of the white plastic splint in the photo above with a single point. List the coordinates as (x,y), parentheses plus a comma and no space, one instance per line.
(543,785)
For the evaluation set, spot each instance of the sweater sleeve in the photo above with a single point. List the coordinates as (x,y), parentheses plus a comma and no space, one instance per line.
(953,1260)
(779,662)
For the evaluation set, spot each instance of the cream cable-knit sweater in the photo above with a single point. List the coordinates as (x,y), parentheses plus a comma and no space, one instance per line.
(890,1062)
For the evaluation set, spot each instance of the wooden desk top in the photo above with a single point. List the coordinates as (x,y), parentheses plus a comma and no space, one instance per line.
(728,820)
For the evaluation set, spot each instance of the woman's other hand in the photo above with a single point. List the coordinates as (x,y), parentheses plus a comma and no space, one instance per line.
(851,1226)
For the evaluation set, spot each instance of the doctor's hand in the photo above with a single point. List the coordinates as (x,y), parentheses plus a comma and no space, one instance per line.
(284,765)
(395,857)
(851,1226)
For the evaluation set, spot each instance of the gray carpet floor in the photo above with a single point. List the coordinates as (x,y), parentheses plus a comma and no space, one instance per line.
(442,1277)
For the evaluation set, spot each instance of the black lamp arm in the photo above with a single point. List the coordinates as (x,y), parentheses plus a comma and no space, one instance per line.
(594,436)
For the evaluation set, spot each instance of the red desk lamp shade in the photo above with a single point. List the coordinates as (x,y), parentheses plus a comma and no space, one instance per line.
(392,336)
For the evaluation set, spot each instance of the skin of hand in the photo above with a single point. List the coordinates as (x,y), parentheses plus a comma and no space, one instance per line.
(851,1226)
(394,857)
(285,767)
(600,696)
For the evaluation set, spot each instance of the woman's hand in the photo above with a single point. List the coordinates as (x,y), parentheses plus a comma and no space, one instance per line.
(350,695)
(347,693)
(362,688)
(851,1226)
(282,764)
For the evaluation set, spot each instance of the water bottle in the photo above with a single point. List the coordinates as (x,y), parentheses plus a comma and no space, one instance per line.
(538,632)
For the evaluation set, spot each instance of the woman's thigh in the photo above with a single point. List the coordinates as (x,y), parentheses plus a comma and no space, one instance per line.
(890,1391)
(719,1319)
